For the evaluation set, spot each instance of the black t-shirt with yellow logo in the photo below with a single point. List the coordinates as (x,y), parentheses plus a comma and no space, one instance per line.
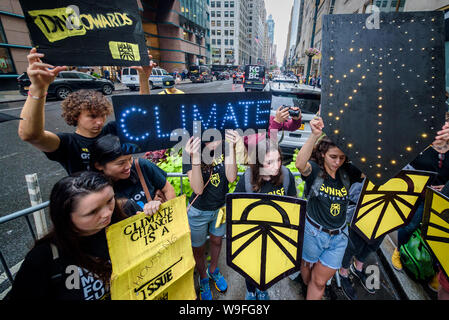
(213,196)
(329,208)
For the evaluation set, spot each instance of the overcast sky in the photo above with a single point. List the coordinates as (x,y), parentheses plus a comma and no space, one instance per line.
(280,10)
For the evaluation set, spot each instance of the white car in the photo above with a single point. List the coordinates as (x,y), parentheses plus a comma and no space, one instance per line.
(130,78)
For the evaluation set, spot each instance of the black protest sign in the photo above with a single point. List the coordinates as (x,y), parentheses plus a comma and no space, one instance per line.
(87,33)
(383,93)
(154,122)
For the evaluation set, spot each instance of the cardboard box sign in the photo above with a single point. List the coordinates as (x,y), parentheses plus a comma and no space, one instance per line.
(383,92)
(87,33)
(154,122)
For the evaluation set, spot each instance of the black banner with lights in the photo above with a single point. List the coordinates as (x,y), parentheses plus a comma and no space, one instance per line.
(87,33)
(383,92)
(154,122)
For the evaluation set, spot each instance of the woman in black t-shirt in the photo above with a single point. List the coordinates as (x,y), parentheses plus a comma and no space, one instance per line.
(72,262)
(209,179)
(112,158)
(266,175)
(328,179)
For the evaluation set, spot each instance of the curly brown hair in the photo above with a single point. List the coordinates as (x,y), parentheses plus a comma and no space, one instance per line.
(320,149)
(84,99)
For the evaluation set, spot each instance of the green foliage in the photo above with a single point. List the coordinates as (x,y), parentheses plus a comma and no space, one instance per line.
(299,182)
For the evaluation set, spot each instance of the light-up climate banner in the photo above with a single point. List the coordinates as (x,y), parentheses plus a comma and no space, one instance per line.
(154,122)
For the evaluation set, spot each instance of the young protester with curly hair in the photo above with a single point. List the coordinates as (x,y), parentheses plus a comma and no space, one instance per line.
(328,177)
(87,110)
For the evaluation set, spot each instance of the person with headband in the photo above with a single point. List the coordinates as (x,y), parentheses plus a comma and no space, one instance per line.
(115,160)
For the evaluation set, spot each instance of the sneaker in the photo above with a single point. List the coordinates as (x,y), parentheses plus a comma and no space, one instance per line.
(347,287)
(250,295)
(434,284)
(329,293)
(218,279)
(396,260)
(362,277)
(205,293)
(262,295)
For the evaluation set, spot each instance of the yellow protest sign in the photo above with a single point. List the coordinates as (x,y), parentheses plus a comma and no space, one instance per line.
(436,226)
(382,209)
(152,256)
(264,236)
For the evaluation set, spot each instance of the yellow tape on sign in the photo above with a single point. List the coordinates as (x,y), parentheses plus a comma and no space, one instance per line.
(124,51)
(54,23)
(152,256)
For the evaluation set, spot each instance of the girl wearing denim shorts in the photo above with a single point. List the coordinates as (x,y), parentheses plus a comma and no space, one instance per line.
(325,234)
(209,180)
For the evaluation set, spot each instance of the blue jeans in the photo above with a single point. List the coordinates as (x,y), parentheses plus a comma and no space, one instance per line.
(406,231)
(319,245)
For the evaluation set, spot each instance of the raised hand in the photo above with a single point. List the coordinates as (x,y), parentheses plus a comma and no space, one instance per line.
(41,74)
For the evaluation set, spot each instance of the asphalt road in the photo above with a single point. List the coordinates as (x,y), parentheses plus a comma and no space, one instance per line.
(18,158)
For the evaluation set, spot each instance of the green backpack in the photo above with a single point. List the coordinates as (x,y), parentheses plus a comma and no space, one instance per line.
(416,257)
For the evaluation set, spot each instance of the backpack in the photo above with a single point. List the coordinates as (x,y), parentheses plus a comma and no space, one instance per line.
(416,257)
(285,182)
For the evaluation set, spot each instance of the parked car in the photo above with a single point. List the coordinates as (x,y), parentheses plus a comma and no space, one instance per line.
(223,76)
(254,78)
(288,92)
(238,77)
(68,81)
(130,78)
(200,74)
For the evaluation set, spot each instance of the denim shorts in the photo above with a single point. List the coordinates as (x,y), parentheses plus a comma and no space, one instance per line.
(319,245)
(201,222)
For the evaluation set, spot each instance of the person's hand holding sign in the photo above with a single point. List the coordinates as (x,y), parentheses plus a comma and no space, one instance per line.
(151,207)
(441,143)
(144,75)
(193,149)
(317,125)
(41,74)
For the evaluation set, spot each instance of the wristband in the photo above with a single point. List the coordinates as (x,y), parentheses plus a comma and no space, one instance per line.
(36,97)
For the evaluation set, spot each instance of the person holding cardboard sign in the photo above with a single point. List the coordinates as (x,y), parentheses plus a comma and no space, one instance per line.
(138,179)
(209,181)
(86,110)
(72,261)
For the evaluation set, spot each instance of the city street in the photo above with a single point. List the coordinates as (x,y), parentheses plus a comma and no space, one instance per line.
(21,158)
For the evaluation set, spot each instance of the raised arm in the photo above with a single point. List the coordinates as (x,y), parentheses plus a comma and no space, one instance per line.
(144,74)
(232,137)
(195,175)
(304,154)
(32,128)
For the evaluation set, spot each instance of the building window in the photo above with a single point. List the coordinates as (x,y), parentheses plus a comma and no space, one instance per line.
(231,42)
(218,23)
(213,32)
(219,42)
(226,32)
(212,14)
(218,14)
(231,32)
(212,23)
(226,42)
(231,14)
(226,4)
(218,32)
(212,4)
(231,23)
(6,62)
(213,41)
(231,4)
(218,3)
(226,14)
(226,23)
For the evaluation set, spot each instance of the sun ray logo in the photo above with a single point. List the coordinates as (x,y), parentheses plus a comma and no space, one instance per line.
(264,236)
(382,209)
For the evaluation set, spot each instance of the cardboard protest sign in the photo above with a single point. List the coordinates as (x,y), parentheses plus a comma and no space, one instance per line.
(382,209)
(436,227)
(152,256)
(154,122)
(264,236)
(383,92)
(87,33)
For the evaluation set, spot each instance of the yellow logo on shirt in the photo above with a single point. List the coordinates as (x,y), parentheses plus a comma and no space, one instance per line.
(215,179)
(279,192)
(335,209)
